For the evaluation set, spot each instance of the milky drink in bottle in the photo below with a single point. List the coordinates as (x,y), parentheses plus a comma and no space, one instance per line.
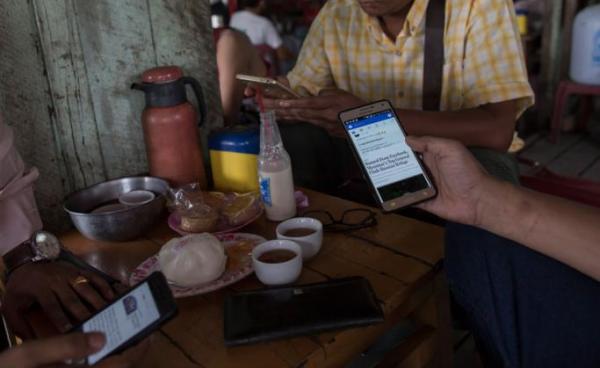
(275,172)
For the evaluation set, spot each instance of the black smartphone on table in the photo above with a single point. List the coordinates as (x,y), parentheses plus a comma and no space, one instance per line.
(395,173)
(132,317)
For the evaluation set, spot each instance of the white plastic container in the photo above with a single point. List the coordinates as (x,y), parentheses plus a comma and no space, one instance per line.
(585,55)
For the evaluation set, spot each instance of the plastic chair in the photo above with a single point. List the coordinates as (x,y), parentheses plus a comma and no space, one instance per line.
(567,88)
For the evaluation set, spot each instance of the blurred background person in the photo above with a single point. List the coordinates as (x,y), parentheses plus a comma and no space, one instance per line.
(252,21)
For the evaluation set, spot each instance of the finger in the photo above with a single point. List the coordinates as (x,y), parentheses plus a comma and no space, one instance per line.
(249,91)
(121,289)
(313,103)
(54,311)
(270,103)
(128,357)
(418,144)
(18,325)
(73,346)
(89,294)
(100,284)
(71,302)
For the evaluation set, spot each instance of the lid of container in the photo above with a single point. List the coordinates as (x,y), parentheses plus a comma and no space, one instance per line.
(162,74)
(241,139)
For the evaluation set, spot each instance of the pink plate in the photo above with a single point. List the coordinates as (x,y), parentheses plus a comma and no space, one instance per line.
(174,222)
(239,265)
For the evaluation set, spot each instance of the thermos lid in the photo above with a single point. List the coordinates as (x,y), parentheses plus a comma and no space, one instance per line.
(162,74)
(241,139)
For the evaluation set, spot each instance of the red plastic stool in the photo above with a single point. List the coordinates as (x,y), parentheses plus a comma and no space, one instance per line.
(565,89)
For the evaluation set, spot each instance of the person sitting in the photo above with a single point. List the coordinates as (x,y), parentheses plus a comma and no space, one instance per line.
(530,280)
(235,55)
(259,29)
(57,286)
(367,50)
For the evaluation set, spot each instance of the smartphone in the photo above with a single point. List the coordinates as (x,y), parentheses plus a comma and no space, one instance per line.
(132,317)
(395,173)
(270,87)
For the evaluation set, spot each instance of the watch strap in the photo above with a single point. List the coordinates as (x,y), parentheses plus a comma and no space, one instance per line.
(18,256)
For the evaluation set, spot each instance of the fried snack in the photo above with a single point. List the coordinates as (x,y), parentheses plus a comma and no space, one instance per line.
(215,199)
(241,208)
(203,220)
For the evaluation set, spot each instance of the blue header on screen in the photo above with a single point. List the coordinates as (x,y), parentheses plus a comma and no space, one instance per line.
(369,119)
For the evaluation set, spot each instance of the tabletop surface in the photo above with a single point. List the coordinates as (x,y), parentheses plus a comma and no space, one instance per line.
(394,256)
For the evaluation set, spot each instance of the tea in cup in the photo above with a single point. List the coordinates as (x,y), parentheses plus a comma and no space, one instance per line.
(277,262)
(305,231)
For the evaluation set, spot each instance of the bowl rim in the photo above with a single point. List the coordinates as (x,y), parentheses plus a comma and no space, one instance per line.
(159,196)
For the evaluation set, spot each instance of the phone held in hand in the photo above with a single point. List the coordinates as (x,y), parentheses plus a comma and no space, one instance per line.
(395,173)
(132,317)
(270,87)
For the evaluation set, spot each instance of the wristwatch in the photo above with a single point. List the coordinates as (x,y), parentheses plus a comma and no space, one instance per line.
(41,247)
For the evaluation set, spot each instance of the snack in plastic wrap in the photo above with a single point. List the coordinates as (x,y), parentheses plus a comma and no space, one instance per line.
(196,215)
(240,208)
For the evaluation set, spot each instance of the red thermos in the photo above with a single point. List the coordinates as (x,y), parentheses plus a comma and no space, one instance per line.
(171,125)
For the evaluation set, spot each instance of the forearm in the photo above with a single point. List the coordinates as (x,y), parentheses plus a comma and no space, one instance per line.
(552,226)
(19,216)
(478,127)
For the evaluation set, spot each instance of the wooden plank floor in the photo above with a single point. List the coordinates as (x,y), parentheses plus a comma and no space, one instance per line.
(575,155)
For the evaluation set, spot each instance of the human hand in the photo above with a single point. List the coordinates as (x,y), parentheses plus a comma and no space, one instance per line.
(251,89)
(59,288)
(55,350)
(460,179)
(128,358)
(320,110)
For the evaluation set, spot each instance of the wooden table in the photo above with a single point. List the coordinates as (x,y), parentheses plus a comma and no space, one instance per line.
(398,257)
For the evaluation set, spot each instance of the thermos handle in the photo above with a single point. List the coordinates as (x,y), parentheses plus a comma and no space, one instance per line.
(199,97)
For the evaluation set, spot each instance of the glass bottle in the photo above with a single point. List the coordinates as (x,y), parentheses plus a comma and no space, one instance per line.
(275,171)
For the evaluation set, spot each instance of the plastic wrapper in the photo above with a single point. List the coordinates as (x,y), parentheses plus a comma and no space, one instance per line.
(196,215)
(212,211)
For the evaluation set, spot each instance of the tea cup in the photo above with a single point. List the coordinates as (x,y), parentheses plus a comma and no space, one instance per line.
(277,262)
(306,231)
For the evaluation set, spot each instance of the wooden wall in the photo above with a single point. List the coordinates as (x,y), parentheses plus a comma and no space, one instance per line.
(65,71)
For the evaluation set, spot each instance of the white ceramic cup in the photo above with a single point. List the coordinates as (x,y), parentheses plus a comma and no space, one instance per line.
(136,197)
(277,273)
(310,244)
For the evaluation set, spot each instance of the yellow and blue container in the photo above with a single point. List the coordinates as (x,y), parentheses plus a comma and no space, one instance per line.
(233,158)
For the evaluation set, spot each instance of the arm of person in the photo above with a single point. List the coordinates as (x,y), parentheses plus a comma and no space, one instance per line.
(560,229)
(49,284)
(55,350)
(59,351)
(563,230)
(235,55)
(489,126)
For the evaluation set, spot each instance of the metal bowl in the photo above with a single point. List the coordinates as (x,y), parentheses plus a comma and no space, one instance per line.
(124,223)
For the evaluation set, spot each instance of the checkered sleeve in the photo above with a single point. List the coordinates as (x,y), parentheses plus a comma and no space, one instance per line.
(494,66)
(312,72)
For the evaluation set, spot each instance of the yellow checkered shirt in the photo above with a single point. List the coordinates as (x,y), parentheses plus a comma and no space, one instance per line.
(484,63)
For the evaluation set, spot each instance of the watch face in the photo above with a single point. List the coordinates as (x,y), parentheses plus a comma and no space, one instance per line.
(46,246)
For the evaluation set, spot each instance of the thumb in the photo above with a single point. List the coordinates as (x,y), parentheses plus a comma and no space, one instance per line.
(418,144)
(73,346)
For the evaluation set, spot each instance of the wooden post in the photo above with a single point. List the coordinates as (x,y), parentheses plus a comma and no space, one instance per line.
(65,71)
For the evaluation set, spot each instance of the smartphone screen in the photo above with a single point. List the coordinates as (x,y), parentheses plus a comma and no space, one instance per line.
(389,162)
(124,319)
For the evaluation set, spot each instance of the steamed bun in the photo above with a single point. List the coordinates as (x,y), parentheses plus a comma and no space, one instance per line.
(193,259)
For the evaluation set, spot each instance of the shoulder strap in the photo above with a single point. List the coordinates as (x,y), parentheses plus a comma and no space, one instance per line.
(433,69)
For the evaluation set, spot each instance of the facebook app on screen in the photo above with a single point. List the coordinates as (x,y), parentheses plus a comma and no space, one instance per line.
(389,161)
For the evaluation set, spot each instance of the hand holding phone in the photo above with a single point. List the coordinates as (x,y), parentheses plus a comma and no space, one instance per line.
(132,317)
(270,87)
(395,173)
